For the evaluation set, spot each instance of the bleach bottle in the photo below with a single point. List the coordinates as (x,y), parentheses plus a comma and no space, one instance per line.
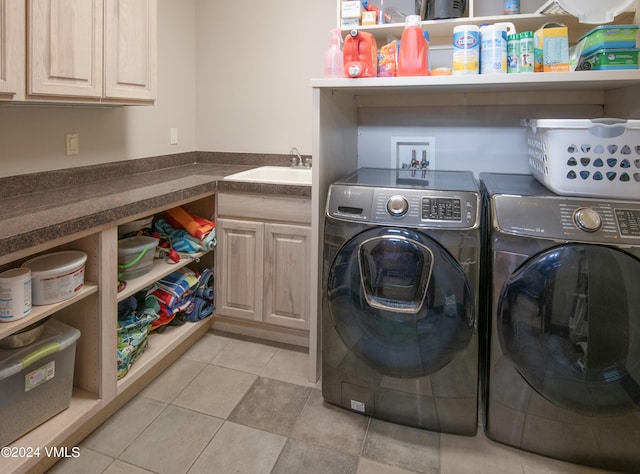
(360,55)
(414,49)
(333,58)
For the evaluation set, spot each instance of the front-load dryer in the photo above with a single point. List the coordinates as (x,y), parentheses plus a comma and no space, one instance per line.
(564,337)
(400,297)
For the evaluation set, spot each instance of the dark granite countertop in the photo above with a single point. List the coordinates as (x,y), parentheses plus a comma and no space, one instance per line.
(83,200)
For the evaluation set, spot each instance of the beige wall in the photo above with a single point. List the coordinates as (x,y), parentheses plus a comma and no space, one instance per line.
(254,70)
(229,80)
(32,137)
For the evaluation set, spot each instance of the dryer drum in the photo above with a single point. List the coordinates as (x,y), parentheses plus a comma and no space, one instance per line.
(400,302)
(568,319)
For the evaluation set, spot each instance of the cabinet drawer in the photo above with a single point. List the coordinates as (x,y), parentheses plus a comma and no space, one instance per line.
(273,208)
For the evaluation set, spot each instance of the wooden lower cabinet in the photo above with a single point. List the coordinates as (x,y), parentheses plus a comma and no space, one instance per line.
(264,272)
(263,266)
(240,262)
(286,275)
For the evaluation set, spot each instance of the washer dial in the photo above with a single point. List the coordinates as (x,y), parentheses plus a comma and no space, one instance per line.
(587,219)
(397,206)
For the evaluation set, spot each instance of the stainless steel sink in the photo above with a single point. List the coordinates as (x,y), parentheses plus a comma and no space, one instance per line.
(298,176)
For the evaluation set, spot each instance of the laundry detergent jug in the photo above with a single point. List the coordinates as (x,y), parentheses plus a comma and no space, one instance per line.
(413,57)
(360,54)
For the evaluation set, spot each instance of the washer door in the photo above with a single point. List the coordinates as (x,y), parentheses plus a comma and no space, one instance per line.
(569,319)
(400,302)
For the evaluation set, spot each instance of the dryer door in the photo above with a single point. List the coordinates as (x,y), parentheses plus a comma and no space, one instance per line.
(400,302)
(569,319)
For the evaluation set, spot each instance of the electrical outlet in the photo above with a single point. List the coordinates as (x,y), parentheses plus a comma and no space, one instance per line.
(173,136)
(72,144)
(413,152)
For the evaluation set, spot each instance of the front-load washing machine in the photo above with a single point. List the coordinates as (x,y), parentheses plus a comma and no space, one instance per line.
(400,297)
(563,364)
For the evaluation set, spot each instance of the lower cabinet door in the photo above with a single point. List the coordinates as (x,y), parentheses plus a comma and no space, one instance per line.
(240,260)
(286,275)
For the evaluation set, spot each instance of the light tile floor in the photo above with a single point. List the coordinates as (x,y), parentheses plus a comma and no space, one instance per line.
(235,405)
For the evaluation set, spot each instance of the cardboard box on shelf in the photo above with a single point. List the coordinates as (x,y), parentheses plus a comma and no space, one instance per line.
(369,18)
(351,9)
(551,48)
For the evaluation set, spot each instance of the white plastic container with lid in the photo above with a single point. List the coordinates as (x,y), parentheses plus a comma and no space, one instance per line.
(466,50)
(493,47)
(130,229)
(15,294)
(511,7)
(56,276)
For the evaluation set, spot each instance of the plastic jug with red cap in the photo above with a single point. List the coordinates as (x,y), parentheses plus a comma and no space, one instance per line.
(413,57)
(360,54)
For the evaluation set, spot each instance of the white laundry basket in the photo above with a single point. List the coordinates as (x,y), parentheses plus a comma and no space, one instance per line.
(583,157)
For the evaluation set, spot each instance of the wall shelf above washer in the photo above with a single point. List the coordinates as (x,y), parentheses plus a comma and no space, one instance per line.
(578,87)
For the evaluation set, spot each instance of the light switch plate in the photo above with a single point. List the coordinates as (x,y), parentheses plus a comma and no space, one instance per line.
(72,145)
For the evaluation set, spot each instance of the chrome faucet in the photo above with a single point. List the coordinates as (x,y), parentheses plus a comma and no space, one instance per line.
(296,159)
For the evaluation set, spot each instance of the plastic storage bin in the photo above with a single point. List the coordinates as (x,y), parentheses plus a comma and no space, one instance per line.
(609,59)
(582,157)
(56,276)
(135,256)
(36,381)
(611,37)
(131,228)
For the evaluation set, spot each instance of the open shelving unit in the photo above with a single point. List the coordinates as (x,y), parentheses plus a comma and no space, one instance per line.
(159,269)
(93,311)
(40,312)
(480,12)
(160,343)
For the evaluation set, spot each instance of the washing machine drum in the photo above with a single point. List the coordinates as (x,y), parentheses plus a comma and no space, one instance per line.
(400,302)
(569,319)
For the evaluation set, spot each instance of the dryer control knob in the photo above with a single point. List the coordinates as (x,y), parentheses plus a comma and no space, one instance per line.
(397,206)
(587,219)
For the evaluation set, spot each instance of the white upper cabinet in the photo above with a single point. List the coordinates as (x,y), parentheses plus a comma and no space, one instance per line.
(131,38)
(65,48)
(91,51)
(12,49)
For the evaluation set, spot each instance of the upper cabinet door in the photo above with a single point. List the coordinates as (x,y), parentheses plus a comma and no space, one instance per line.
(65,48)
(12,15)
(131,49)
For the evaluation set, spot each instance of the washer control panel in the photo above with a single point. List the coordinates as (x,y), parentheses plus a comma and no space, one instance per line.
(628,221)
(441,209)
(581,219)
(406,207)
